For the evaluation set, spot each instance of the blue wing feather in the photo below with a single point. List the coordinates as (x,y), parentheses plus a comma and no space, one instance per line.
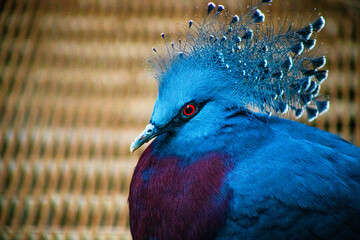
(301,183)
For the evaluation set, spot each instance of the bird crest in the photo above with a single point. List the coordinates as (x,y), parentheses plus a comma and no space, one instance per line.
(264,70)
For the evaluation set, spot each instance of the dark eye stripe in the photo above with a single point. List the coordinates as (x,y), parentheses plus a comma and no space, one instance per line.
(184,116)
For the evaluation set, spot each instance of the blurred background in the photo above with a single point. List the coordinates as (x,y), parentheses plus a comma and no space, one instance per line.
(75,90)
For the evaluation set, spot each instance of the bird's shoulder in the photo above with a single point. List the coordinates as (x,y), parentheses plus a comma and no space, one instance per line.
(297,173)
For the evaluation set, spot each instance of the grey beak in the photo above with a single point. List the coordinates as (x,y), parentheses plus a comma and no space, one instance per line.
(148,134)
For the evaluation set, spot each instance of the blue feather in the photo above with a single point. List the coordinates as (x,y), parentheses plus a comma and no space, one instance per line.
(319,62)
(322,106)
(306,32)
(309,44)
(221,166)
(321,75)
(250,58)
(318,24)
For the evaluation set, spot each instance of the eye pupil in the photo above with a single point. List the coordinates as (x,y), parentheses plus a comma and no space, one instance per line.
(189,110)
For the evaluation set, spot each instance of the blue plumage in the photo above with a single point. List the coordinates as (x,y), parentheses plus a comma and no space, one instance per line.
(222,166)
(260,69)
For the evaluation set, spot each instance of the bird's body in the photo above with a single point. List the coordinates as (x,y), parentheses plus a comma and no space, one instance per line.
(302,183)
(219,170)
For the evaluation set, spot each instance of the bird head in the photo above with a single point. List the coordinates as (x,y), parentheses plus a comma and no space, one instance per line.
(187,104)
(229,61)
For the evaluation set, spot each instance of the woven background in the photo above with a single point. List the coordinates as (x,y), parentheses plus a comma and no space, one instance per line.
(74,92)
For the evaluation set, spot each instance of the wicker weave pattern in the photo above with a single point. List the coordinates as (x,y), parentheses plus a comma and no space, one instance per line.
(74,93)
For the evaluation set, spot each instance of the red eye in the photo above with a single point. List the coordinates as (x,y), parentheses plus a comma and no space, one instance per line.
(189,110)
